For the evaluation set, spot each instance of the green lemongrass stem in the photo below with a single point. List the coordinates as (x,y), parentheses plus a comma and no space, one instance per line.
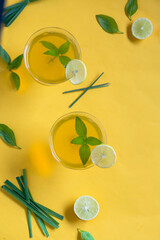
(32,203)
(49,211)
(10,13)
(27,199)
(93,87)
(16,15)
(85,91)
(13,6)
(39,220)
(15,195)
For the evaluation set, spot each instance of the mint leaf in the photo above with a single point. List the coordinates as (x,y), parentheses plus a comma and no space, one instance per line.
(78,140)
(93,141)
(131,8)
(49,45)
(4,55)
(52,52)
(16,62)
(16,79)
(84,153)
(64,60)
(80,127)
(108,24)
(64,48)
(8,135)
(85,235)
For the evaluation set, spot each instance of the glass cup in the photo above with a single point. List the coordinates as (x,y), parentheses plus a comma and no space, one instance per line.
(44,68)
(63,131)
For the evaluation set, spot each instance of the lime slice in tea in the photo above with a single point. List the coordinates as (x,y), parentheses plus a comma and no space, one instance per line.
(142,28)
(86,208)
(103,156)
(76,71)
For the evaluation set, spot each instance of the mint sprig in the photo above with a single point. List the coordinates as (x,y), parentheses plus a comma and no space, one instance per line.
(7,135)
(85,235)
(57,52)
(83,140)
(11,65)
(131,8)
(108,24)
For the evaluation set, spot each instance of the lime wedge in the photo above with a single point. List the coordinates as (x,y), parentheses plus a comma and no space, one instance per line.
(76,71)
(86,208)
(142,28)
(103,156)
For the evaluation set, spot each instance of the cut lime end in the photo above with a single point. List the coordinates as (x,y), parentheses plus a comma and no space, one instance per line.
(103,156)
(86,208)
(76,71)
(142,28)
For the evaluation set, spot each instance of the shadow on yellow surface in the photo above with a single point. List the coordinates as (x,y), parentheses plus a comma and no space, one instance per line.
(70,215)
(39,156)
(130,35)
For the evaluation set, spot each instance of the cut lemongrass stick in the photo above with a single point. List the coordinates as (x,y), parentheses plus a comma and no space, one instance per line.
(45,209)
(13,6)
(85,91)
(32,203)
(16,15)
(42,209)
(39,220)
(15,195)
(28,200)
(93,87)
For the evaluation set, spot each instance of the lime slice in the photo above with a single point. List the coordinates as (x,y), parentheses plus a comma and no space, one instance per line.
(86,208)
(103,156)
(142,28)
(76,71)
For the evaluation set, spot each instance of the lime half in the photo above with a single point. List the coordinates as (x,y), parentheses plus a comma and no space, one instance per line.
(76,71)
(103,156)
(142,28)
(86,208)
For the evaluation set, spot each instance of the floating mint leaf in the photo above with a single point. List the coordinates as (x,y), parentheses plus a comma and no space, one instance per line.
(108,24)
(8,135)
(131,8)
(64,48)
(85,235)
(49,45)
(16,79)
(4,55)
(78,140)
(64,60)
(93,141)
(84,153)
(52,52)
(80,127)
(16,62)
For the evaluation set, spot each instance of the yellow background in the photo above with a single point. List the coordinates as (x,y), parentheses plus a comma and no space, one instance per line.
(129,192)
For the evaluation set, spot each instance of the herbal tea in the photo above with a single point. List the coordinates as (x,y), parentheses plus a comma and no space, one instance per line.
(44,67)
(62,134)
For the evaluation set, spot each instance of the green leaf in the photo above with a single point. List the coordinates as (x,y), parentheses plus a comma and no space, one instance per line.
(80,127)
(64,60)
(78,140)
(93,141)
(108,24)
(84,153)
(64,48)
(85,235)
(49,45)
(16,62)
(131,8)
(8,135)
(16,79)
(52,52)
(4,55)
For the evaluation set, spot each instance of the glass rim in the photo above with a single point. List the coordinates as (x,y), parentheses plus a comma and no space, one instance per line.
(25,52)
(51,142)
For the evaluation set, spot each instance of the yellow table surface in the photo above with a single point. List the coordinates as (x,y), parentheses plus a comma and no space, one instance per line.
(129,192)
